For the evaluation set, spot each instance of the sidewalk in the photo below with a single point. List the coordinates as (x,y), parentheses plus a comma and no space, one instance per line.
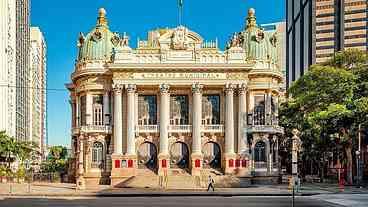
(65,190)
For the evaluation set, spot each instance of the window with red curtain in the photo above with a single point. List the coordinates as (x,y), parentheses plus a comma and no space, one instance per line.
(231,163)
(117,163)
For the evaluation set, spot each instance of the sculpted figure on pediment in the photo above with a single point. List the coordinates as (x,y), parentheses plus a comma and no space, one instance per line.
(179,40)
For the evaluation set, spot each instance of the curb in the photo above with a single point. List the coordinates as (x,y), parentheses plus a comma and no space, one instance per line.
(159,194)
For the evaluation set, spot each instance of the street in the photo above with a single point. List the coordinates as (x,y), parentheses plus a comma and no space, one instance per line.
(163,201)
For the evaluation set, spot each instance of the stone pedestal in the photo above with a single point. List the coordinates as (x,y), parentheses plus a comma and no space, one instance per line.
(244,166)
(123,167)
(163,164)
(229,163)
(196,164)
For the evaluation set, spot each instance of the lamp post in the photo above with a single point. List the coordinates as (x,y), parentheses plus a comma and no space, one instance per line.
(296,144)
(358,152)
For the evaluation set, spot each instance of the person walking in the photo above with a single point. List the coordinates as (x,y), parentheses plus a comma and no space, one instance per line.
(211,183)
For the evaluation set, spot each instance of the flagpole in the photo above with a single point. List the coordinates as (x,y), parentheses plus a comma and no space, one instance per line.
(180,4)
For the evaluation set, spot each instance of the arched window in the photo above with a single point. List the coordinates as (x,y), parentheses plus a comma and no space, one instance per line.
(97,155)
(260,152)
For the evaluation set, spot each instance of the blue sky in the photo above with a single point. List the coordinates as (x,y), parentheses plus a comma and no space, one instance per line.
(61,22)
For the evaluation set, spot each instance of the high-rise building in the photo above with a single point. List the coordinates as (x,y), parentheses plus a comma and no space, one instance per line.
(14,62)
(340,24)
(335,25)
(300,45)
(22,67)
(37,85)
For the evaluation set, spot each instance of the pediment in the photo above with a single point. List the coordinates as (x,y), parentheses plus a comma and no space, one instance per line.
(180,38)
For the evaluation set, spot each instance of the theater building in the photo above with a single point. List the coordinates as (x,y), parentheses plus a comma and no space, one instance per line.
(175,105)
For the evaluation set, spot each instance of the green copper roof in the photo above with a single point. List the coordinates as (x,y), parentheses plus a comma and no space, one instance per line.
(258,44)
(99,43)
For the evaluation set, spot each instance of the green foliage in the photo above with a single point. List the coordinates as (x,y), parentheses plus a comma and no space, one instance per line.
(56,161)
(11,149)
(328,103)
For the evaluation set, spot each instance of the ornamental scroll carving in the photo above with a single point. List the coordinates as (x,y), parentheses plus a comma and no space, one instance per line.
(128,75)
(237,76)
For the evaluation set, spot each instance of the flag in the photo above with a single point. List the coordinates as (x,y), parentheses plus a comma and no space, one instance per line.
(181,3)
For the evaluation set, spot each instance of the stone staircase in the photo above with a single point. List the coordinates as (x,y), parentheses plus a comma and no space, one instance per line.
(183,180)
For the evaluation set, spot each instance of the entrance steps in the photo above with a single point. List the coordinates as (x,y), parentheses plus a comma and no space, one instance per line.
(183,180)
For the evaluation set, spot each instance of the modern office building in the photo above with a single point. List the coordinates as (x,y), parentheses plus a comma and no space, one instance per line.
(14,62)
(37,92)
(316,29)
(300,41)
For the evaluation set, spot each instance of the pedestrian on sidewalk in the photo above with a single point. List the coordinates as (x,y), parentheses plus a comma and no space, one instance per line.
(211,183)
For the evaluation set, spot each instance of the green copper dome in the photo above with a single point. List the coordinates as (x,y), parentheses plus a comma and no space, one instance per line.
(258,44)
(99,43)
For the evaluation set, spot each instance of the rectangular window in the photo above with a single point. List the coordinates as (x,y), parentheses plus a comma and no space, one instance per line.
(97,108)
(83,110)
(179,110)
(259,110)
(147,110)
(211,109)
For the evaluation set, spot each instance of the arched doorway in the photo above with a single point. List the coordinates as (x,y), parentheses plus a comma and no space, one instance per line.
(147,156)
(179,155)
(212,155)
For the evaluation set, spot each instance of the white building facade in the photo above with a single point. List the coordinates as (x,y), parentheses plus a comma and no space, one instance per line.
(175,105)
(37,89)
(14,63)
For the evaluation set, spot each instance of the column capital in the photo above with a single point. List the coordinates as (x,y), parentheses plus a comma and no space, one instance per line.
(229,88)
(118,88)
(164,88)
(197,88)
(131,88)
(242,88)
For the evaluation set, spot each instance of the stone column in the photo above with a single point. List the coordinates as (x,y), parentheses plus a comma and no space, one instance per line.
(242,120)
(80,178)
(268,107)
(196,129)
(131,89)
(229,120)
(74,116)
(229,129)
(118,121)
(164,126)
(77,111)
(89,112)
(106,108)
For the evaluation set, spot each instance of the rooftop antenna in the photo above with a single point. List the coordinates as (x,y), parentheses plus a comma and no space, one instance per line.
(180,4)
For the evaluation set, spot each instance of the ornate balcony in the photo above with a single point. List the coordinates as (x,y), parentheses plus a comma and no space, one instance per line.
(180,128)
(264,123)
(216,128)
(147,128)
(266,129)
(92,129)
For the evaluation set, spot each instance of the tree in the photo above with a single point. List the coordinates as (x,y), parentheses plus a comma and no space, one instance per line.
(12,149)
(327,104)
(56,161)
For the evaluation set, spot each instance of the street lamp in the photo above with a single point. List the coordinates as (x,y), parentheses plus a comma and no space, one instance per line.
(358,152)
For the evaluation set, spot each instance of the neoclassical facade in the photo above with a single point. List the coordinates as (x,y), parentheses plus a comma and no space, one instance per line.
(175,105)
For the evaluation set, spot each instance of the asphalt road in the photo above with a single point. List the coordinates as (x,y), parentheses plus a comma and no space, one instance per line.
(162,202)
